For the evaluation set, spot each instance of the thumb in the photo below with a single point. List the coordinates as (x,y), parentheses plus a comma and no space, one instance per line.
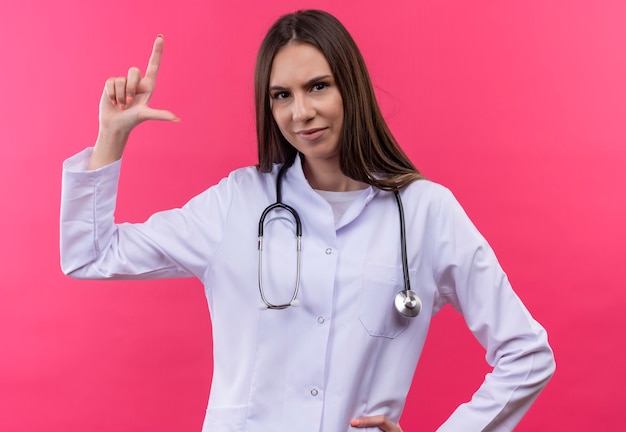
(156,114)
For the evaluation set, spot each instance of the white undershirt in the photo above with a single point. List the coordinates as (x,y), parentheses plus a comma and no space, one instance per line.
(339,201)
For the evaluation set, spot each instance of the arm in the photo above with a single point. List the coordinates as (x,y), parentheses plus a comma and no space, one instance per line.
(92,246)
(173,243)
(469,277)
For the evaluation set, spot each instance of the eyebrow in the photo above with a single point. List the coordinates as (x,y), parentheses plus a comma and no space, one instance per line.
(306,84)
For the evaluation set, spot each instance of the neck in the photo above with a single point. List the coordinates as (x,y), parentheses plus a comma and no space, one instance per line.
(327,176)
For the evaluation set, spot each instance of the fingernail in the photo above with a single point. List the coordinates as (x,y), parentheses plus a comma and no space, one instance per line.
(160,35)
(176,120)
(123,106)
(129,100)
(355,422)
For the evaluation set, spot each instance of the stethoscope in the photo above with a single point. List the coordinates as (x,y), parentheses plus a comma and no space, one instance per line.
(407,303)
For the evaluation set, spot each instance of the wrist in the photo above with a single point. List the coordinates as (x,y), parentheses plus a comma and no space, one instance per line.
(108,149)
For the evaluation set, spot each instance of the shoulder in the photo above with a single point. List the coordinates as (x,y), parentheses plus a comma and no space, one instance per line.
(245,179)
(245,174)
(435,202)
(427,191)
(240,184)
(243,183)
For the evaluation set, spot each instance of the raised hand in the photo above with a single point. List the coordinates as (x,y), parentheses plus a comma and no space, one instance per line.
(123,105)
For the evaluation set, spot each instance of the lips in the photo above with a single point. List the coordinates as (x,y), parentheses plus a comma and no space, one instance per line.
(311,134)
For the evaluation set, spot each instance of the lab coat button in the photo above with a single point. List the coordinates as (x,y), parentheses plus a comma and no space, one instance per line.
(329,251)
(321,320)
(314,392)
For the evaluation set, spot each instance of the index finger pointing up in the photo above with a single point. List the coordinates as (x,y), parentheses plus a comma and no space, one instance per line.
(155,58)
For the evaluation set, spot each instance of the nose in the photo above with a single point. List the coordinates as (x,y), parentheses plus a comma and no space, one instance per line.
(302,109)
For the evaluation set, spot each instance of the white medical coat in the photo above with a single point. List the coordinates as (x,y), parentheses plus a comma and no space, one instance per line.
(345,351)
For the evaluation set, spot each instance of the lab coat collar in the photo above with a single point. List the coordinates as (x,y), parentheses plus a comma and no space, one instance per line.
(295,176)
(300,178)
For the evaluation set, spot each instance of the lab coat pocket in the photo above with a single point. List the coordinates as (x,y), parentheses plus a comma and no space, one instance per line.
(377,312)
(225,419)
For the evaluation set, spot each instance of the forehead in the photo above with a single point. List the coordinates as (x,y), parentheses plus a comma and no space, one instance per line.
(298,62)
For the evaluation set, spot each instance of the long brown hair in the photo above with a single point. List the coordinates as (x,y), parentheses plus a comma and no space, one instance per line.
(368,152)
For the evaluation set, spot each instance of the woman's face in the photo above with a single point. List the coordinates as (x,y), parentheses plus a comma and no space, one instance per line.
(306,103)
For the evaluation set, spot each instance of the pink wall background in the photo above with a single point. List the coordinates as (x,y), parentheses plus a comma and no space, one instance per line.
(519,107)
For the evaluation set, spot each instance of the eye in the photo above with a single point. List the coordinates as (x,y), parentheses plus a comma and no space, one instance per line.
(319,86)
(280,95)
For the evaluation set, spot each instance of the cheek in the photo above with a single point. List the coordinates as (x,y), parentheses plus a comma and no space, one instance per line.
(339,114)
(280,118)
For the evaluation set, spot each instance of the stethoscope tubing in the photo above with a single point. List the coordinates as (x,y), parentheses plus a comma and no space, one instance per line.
(280,205)
(405,261)
(406,301)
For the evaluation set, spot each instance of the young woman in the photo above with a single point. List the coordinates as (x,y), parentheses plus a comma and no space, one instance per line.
(363,245)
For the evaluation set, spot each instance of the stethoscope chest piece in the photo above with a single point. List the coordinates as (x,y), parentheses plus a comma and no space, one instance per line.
(408,303)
